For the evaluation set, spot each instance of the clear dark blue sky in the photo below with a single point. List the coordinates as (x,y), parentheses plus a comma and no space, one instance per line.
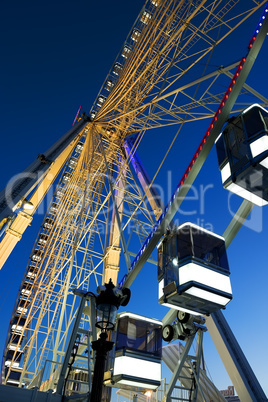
(55,56)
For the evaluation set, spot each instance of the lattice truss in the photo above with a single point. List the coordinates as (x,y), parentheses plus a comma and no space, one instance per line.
(163,80)
(74,242)
(102,211)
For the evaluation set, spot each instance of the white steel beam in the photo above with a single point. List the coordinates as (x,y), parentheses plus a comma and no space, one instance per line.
(202,152)
(234,360)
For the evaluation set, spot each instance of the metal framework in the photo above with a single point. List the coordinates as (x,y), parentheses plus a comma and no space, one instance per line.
(105,203)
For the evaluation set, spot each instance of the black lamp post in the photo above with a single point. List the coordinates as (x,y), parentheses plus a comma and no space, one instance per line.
(107,304)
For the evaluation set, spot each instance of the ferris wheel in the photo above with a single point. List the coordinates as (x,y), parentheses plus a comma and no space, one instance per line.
(106,216)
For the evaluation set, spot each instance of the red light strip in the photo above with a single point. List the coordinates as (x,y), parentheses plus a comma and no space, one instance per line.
(215,118)
(229,89)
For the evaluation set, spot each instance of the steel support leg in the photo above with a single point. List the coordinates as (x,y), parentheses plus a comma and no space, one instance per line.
(234,360)
(176,373)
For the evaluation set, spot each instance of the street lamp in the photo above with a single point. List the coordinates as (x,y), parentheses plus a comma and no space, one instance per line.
(148,393)
(107,304)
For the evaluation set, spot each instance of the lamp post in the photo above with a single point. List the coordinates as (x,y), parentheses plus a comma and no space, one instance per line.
(107,304)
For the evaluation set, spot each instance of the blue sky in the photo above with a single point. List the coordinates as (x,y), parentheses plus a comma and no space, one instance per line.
(55,56)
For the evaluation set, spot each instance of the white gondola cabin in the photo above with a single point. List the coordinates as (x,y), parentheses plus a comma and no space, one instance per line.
(117,68)
(193,271)
(109,85)
(135,363)
(242,151)
(101,100)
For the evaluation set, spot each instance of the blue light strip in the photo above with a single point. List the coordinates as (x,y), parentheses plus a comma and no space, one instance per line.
(263,16)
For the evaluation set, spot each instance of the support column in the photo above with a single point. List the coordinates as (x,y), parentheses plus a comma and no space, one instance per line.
(234,360)
(114,249)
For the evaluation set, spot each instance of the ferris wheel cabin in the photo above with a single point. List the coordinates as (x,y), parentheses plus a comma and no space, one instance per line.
(193,270)
(135,362)
(242,151)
